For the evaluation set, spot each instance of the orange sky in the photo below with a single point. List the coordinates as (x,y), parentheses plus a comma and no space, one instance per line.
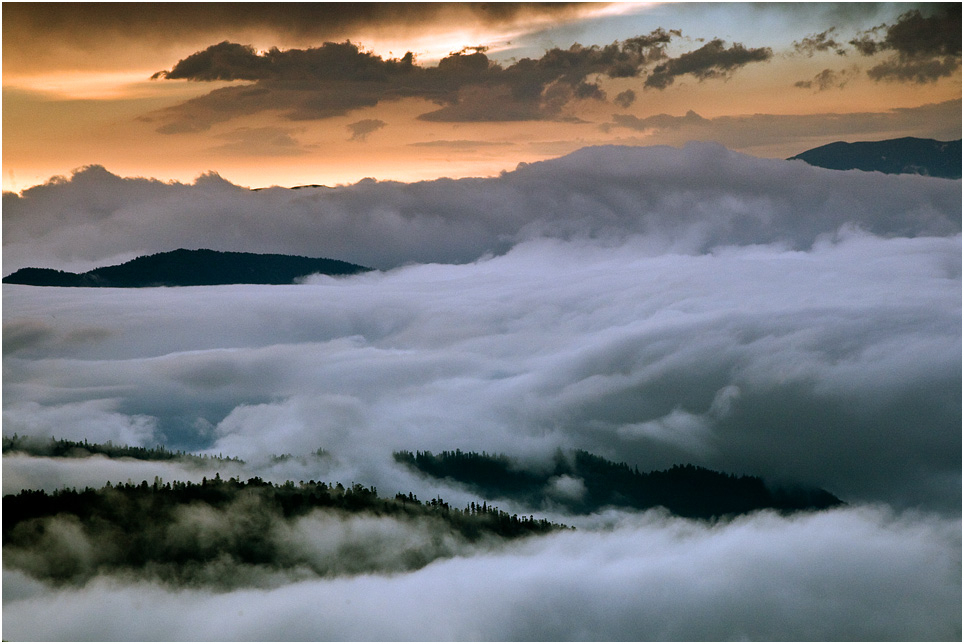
(77,89)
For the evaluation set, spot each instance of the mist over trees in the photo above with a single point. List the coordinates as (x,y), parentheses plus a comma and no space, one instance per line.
(653,306)
(63,448)
(229,533)
(582,482)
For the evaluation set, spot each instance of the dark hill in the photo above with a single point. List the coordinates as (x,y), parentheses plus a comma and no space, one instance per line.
(583,483)
(895,156)
(221,531)
(190,268)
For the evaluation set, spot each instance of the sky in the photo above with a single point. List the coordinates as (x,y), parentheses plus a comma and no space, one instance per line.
(295,94)
(561,264)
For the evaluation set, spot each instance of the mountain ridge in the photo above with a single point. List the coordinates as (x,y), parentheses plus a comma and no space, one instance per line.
(183,267)
(907,155)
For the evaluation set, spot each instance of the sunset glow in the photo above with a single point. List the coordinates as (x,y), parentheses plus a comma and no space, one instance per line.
(100,112)
(485,322)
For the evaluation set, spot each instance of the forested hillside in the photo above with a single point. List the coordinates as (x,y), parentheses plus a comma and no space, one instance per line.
(582,482)
(192,532)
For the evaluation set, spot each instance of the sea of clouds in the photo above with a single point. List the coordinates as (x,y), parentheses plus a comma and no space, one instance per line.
(650,305)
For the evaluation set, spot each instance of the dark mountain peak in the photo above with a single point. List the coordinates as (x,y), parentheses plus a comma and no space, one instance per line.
(907,155)
(184,267)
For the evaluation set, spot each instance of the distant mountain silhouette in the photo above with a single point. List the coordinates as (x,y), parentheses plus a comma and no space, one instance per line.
(190,268)
(582,482)
(895,156)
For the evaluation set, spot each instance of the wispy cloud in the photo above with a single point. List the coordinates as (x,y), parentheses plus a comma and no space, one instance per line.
(921,47)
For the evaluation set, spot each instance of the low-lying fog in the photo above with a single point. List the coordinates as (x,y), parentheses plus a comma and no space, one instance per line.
(651,306)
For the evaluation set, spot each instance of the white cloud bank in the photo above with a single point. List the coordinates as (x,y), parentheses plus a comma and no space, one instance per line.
(653,306)
(837,367)
(683,200)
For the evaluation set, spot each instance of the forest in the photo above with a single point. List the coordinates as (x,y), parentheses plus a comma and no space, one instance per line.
(183,532)
(582,482)
(63,448)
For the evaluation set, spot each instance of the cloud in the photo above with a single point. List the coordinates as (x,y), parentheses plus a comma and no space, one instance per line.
(336,78)
(361,129)
(650,305)
(796,365)
(918,71)
(43,36)
(923,47)
(96,216)
(242,542)
(94,419)
(712,60)
(756,130)
(459,143)
(654,305)
(820,42)
(659,121)
(827,79)
(23,472)
(260,141)
(625,99)
(851,574)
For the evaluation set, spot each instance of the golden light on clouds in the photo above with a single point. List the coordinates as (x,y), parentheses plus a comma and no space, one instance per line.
(87,85)
(74,98)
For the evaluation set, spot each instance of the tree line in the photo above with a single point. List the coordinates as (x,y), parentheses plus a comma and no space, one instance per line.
(140,527)
(63,448)
(685,490)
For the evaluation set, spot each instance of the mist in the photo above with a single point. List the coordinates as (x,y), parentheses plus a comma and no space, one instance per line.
(836,367)
(686,200)
(652,306)
(852,574)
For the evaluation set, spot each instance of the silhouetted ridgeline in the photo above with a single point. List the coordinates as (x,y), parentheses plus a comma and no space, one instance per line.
(190,268)
(582,483)
(62,448)
(894,156)
(207,532)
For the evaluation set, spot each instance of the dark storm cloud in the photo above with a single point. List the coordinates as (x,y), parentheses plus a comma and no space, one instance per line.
(306,19)
(330,62)
(923,45)
(855,574)
(337,78)
(762,129)
(712,60)
(43,34)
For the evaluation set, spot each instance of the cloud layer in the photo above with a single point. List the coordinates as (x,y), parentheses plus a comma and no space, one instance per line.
(653,306)
(685,200)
